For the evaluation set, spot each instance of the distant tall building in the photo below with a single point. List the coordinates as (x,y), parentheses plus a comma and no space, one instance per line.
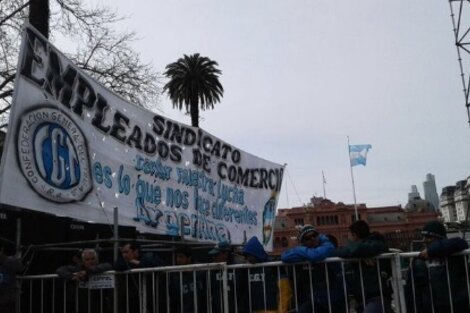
(414,194)
(430,191)
(455,201)
(449,213)
(461,200)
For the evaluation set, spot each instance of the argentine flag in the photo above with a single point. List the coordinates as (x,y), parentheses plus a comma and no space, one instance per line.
(358,154)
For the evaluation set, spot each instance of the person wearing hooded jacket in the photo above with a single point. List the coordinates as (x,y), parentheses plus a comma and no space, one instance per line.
(427,288)
(370,290)
(263,281)
(314,247)
(324,283)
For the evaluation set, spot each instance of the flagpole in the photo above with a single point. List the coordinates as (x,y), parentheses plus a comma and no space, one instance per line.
(352,180)
(324,182)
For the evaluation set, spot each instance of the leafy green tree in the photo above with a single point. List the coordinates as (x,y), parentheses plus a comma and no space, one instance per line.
(194,83)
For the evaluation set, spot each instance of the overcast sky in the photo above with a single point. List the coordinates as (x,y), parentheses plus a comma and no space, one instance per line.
(300,76)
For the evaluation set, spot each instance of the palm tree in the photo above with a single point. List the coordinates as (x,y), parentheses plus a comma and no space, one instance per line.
(194,80)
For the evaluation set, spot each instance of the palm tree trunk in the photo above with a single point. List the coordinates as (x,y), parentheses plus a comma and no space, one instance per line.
(39,16)
(194,111)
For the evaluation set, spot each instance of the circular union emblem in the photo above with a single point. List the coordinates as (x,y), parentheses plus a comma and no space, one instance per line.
(53,155)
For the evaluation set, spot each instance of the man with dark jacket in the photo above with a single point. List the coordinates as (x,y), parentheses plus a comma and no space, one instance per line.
(131,257)
(324,282)
(130,285)
(263,281)
(78,296)
(427,287)
(370,289)
(80,272)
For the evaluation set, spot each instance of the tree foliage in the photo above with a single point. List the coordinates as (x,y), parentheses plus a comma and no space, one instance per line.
(194,82)
(88,37)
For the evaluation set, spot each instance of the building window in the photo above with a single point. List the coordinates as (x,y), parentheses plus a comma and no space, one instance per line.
(277,242)
(328,220)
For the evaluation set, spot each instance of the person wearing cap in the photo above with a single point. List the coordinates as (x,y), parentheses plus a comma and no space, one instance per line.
(222,252)
(427,288)
(315,290)
(263,287)
(369,287)
(237,281)
(314,247)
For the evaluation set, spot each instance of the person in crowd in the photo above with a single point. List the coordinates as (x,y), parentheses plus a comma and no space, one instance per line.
(77,257)
(78,273)
(428,288)
(319,280)
(9,267)
(368,280)
(130,285)
(132,257)
(332,239)
(237,281)
(263,281)
(185,288)
(89,265)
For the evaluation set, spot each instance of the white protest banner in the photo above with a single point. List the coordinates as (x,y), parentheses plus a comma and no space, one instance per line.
(75,149)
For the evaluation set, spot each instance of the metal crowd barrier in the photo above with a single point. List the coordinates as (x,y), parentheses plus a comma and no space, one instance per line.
(392,282)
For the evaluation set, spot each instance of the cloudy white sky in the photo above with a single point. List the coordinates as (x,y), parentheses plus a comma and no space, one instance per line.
(300,76)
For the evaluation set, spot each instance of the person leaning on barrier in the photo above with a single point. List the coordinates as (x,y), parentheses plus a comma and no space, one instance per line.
(185,287)
(325,282)
(364,280)
(427,287)
(81,271)
(237,281)
(263,281)
(132,257)
(9,267)
(131,285)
